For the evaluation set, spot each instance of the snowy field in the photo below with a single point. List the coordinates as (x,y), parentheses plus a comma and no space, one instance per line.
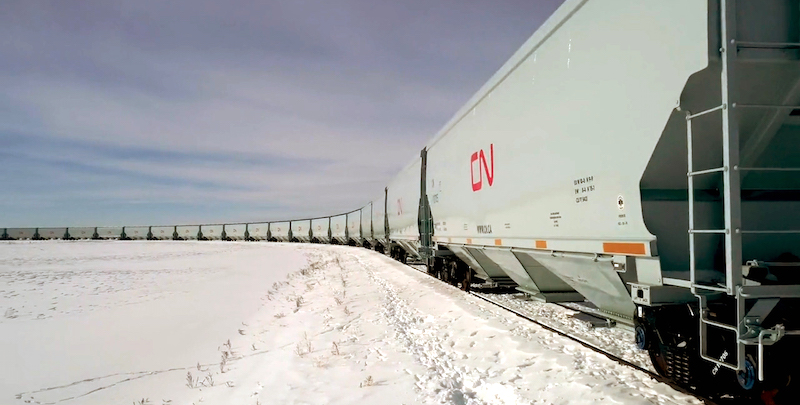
(111,322)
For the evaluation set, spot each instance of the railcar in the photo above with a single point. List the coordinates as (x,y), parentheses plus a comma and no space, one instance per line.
(209,232)
(52,233)
(81,232)
(137,232)
(378,223)
(354,228)
(110,232)
(280,231)
(366,226)
(163,233)
(338,226)
(236,232)
(258,231)
(188,232)
(402,206)
(642,156)
(21,233)
(301,230)
(321,230)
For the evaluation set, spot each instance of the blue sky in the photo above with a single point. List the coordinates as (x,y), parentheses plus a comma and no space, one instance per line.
(190,111)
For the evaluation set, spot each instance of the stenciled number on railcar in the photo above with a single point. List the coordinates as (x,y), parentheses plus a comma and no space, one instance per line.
(554,217)
(583,187)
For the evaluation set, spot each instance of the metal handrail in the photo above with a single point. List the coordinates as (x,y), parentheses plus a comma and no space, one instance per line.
(709,287)
(768,45)
(696,231)
(781,232)
(719,324)
(773,106)
(690,117)
(768,169)
(714,170)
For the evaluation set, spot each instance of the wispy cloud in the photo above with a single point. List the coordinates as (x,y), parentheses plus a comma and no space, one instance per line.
(192,111)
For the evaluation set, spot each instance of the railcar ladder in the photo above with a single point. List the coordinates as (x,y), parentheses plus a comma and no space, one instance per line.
(747,327)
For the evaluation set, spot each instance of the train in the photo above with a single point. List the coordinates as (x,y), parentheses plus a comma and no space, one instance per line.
(640,156)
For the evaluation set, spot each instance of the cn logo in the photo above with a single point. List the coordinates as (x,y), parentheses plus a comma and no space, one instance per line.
(475,162)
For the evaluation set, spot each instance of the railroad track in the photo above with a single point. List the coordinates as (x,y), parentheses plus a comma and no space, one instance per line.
(606,353)
(610,355)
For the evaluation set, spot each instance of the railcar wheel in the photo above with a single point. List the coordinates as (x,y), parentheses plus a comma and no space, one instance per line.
(453,277)
(659,361)
(641,337)
(466,281)
(747,377)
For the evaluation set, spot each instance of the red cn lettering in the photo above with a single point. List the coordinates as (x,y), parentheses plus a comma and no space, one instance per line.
(488,167)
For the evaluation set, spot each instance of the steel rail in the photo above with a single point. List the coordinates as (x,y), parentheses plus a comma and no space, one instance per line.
(588,345)
(600,350)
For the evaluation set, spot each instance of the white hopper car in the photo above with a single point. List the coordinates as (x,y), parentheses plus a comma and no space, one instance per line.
(280,231)
(643,156)
(258,231)
(209,232)
(321,230)
(301,230)
(236,232)
(354,236)
(338,226)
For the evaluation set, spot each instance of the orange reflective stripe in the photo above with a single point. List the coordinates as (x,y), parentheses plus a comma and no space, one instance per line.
(541,244)
(498,242)
(624,248)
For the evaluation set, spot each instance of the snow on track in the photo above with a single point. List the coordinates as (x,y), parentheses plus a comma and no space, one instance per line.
(314,324)
(614,341)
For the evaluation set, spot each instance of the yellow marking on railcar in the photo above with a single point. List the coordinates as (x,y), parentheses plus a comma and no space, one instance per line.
(541,244)
(498,242)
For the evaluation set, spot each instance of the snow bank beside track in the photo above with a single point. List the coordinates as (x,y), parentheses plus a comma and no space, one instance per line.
(310,324)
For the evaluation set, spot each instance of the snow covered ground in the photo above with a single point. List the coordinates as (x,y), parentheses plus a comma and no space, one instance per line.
(256,323)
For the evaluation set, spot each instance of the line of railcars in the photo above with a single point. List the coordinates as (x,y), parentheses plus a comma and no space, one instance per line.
(642,156)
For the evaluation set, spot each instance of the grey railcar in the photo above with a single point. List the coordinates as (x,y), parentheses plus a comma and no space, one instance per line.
(236,231)
(258,231)
(339,229)
(321,230)
(21,233)
(211,232)
(82,232)
(109,232)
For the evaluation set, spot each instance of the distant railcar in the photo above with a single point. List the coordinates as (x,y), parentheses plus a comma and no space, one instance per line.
(320,229)
(109,232)
(212,232)
(258,231)
(339,229)
(137,232)
(280,231)
(81,233)
(236,232)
